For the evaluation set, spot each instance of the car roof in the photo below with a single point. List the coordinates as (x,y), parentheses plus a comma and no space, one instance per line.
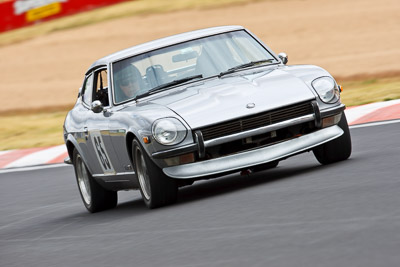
(159,43)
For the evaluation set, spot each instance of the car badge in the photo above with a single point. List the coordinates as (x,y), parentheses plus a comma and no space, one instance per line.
(250,105)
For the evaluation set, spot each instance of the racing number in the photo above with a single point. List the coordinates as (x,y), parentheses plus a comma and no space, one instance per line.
(101,153)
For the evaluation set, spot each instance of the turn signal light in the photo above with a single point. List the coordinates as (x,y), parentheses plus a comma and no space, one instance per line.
(329,121)
(187,158)
(183,159)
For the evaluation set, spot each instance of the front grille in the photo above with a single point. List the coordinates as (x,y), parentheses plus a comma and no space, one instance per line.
(256,121)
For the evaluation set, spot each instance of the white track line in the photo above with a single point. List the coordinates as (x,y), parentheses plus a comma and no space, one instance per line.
(353,114)
(33,168)
(40,157)
(5,152)
(373,124)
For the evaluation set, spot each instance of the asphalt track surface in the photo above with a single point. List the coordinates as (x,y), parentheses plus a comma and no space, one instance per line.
(299,214)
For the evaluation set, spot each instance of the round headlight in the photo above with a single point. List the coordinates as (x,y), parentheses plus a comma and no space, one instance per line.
(326,89)
(168,131)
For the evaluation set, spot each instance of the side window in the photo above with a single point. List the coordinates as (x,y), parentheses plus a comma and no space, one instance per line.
(101,87)
(88,90)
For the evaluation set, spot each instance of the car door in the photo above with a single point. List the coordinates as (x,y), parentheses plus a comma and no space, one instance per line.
(99,142)
(79,115)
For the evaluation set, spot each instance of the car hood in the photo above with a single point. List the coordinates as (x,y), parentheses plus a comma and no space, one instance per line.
(221,99)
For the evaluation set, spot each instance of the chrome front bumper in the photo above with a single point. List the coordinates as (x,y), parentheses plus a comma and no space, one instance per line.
(254,157)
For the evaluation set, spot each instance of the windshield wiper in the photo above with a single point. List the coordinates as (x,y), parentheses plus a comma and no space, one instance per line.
(164,86)
(245,65)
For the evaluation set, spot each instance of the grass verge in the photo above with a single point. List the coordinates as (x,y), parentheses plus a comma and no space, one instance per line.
(27,130)
(372,90)
(44,128)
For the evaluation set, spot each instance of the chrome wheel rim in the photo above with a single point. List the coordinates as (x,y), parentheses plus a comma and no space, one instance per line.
(143,177)
(83,180)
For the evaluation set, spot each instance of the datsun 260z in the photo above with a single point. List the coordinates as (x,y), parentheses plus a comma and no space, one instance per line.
(197,105)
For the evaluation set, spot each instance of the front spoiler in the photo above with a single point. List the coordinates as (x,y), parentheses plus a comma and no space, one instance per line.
(254,157)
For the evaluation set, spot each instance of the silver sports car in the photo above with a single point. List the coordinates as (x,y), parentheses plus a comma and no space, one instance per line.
(197,105)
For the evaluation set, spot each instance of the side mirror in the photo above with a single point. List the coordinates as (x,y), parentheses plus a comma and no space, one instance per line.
(283,57)
(97,106)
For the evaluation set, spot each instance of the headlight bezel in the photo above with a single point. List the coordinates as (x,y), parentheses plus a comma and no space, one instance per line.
(323,90)
(169,124)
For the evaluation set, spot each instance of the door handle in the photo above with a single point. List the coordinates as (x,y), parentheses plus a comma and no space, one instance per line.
(86,132)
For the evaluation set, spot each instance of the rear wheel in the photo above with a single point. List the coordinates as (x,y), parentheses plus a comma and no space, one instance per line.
(337,149)
(94,197)
(156,188)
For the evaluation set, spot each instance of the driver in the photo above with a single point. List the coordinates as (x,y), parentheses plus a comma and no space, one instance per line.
(128,83)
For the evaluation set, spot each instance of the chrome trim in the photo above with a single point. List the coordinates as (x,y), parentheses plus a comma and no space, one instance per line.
(254,157)
(109,175)
(317,112)
(200,144)
(261,130)
(194,147)
(175,151)
(332,111)
(250,105)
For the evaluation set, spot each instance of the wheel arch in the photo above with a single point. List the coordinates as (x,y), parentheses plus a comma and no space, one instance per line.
(130,136)
(70,149)
(72,144)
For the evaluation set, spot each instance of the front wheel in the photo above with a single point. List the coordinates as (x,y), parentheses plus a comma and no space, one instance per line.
(94,196)
(156,188)
(337,149)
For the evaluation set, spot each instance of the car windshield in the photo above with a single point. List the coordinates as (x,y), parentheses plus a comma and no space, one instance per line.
(210,56)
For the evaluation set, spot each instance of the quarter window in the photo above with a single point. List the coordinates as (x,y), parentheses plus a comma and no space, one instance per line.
(88,90)
(101,88)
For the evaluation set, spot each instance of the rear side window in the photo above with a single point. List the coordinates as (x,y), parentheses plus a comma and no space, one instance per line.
(88,90)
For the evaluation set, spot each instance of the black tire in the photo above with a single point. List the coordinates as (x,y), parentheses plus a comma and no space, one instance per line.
(156,188)
(338,149)
(94,196)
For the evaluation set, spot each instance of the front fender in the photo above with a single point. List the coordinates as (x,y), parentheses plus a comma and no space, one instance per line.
(72,144)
